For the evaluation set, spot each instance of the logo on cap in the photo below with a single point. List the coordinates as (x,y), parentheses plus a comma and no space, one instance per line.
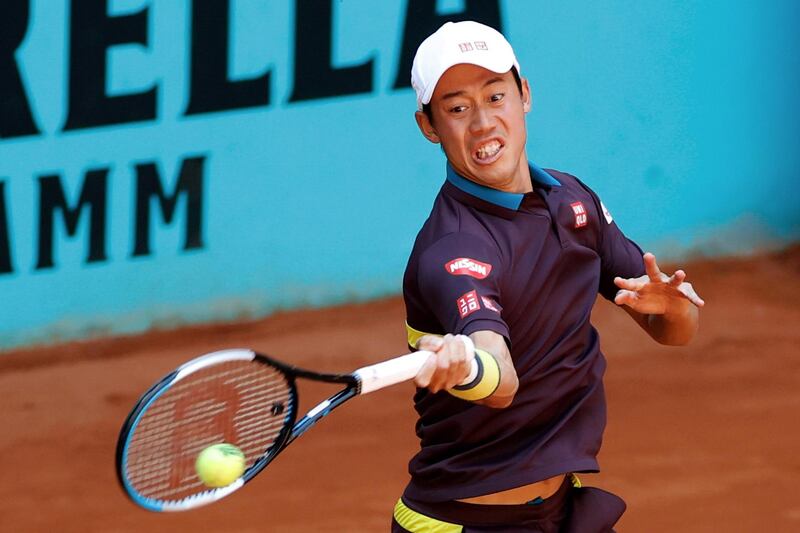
(464,266)
(474,45)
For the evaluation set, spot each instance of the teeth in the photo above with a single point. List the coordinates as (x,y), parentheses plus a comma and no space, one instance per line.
(488,150)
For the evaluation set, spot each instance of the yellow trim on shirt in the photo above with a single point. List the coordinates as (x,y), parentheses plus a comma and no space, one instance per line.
(414,335)
(415,522)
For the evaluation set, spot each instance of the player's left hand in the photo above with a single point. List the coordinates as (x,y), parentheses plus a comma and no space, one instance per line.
(656,293)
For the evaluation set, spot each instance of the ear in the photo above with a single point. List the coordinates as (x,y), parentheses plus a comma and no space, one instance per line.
(527,98)
(425,126)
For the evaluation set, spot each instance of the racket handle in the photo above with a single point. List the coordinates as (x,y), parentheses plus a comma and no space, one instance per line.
(398,370)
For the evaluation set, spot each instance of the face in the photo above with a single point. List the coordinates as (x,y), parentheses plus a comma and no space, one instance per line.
(479,119)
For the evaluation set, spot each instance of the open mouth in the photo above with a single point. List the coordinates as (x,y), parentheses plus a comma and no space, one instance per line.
(488,152)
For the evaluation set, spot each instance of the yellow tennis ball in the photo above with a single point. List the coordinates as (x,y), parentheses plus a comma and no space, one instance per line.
(220,465)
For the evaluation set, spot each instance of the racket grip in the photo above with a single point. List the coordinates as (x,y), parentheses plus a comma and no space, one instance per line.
(398,370)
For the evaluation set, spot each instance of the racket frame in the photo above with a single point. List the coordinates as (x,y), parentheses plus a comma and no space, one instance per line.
(289,432)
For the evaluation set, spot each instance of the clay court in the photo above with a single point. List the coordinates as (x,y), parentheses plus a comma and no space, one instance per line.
(701,438)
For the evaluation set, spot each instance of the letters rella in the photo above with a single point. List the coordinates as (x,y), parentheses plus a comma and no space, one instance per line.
(464,266)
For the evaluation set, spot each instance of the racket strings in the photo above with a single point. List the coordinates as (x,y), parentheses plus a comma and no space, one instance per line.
(240,402)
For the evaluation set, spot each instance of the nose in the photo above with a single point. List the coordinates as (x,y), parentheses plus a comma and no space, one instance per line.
(482,121)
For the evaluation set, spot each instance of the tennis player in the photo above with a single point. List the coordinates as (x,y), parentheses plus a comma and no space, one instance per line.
(506,270)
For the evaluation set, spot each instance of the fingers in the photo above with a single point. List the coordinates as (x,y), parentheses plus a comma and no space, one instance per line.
(631,284)
(687,290)
(677,278)
(423,377)
(653,275)
(430,343)
(651,267)
(448,365)
(678,281)
(624,297)
(642,290)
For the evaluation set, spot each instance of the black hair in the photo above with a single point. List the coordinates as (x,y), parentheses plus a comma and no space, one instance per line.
(426,108)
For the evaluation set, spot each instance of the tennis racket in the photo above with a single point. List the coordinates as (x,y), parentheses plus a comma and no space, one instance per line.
(235,396)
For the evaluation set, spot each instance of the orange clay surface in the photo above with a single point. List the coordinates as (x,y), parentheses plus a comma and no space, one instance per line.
(700,438)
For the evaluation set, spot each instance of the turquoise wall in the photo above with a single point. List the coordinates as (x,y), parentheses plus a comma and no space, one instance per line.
(682,115)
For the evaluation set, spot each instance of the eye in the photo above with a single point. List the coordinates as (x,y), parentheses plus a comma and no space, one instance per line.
(496,97)
(458,109)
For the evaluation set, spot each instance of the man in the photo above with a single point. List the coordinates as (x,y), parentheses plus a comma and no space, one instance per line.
(505,271)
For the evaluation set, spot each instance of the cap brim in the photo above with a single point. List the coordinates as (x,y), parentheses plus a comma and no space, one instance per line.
(499,67)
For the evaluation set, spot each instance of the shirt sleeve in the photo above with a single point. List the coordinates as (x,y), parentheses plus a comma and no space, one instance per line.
(619,256)
(458,280)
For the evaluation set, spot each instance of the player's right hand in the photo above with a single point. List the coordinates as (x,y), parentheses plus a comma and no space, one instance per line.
(449,364)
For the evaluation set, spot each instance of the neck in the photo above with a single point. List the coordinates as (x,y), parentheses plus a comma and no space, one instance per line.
(521,182)
(518,182)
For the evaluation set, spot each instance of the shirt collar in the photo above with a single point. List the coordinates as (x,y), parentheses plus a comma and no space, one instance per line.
(502,199)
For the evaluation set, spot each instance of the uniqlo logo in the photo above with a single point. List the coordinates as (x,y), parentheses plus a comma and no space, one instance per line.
(581,217)
(468,304)
(465,47)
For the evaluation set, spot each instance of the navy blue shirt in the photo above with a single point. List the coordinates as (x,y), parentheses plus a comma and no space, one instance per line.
(527,266)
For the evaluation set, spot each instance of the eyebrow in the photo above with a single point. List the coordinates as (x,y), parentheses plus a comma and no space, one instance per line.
(459,93)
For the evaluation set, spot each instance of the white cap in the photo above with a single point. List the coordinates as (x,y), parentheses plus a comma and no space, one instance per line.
(455,43)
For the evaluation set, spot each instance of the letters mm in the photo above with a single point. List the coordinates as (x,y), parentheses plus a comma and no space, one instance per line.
(93,200)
